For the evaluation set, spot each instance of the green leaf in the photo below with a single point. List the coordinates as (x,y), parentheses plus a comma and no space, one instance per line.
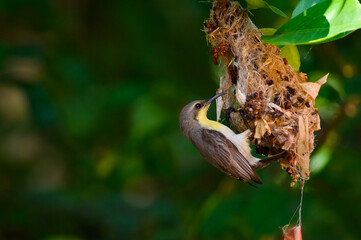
(256,4)
(323,22)
(277,11)
(303,5)
(338,36)
(290,52)
(268,31)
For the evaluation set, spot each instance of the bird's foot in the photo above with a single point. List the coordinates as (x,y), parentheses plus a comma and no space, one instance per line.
(267,161)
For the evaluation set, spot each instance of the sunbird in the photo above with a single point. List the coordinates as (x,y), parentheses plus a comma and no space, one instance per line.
(219,145)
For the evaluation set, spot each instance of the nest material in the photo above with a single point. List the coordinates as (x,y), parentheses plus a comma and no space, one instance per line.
(277,101)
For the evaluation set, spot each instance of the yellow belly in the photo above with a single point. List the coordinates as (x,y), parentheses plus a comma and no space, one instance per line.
(205,122)
(210,124)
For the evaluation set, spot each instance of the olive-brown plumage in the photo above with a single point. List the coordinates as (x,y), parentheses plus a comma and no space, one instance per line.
(214,141)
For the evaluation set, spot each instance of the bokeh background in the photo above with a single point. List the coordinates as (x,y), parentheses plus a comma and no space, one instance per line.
(90,147)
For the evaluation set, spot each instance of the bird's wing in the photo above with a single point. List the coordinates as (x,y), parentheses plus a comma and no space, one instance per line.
(225,156)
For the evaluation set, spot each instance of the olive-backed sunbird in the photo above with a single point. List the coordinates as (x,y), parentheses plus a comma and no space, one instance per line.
(219,145)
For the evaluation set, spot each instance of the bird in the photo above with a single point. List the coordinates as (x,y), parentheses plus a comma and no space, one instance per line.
(219,145)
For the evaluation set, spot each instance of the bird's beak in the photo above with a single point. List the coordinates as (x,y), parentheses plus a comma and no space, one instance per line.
(214,97)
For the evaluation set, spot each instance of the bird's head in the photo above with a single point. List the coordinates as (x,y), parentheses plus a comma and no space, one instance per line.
(194,111)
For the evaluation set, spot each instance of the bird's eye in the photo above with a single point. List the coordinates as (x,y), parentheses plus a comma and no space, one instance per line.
(198,105)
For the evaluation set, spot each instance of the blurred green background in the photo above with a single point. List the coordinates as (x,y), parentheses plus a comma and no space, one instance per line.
(90,147)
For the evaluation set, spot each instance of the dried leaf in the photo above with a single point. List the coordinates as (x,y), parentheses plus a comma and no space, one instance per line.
(293,234)
(323,80)
(303,147)
(318,123)
(288,144)
(312,88)
(262,127)
(241,98)
(219,104)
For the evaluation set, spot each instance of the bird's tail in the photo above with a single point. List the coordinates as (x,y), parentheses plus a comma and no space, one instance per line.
(255,178)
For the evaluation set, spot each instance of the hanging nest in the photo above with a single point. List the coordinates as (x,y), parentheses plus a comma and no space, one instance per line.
(277,101)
